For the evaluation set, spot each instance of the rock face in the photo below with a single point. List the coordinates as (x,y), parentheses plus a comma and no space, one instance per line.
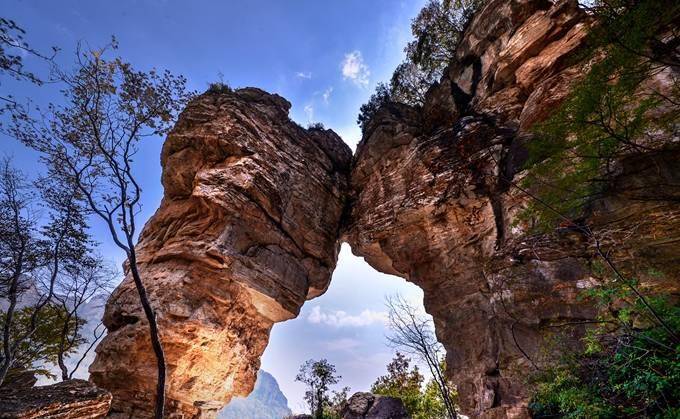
(255,208)
(371,406)
(433,201)
(74,399)
(246,232)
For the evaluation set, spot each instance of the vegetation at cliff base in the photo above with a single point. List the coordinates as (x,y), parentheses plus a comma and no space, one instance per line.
(319,376)
(406,383)
(628,367)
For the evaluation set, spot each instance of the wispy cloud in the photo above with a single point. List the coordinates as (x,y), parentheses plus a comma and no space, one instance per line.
(354,69)
(326,95)
(309,112)
(303,75)
(342,344)
(342,319)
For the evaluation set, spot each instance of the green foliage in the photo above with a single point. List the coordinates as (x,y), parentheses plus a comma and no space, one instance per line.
(381,97)
(219,87)
(43,345)
(436,32)
(605,117)
(401,382)
(319,376)
(631,371)
(406,383)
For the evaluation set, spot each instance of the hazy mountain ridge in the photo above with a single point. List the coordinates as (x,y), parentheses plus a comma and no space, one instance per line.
(265,402)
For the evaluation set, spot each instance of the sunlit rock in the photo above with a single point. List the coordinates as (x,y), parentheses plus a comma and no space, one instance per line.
(246,232)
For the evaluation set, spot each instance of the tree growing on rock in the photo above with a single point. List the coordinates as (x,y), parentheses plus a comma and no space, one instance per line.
(436,30)
(401,382)
(90,142)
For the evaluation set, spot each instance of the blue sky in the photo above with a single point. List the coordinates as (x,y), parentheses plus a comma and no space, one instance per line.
(325,57)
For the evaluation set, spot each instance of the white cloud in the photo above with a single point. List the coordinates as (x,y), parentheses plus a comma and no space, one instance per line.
(326,95)
(303,75)
(342,319)
(353,68)
(309,111)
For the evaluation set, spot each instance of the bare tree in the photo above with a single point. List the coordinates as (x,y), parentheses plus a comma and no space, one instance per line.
(413,332)
(91,141)
(86,282)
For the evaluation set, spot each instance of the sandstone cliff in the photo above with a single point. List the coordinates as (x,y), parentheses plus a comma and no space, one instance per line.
(246,232)
(435,200)
(255,208)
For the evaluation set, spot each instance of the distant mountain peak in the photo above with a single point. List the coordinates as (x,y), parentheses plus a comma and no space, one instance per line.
(265,402)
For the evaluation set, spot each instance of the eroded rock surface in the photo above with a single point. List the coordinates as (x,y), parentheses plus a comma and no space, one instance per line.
(254,205)
(73,399)
(246,232)
(434,201)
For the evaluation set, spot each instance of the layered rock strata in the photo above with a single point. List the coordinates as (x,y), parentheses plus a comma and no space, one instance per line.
(246,232)
(435,199)
(254,207)
(73,399)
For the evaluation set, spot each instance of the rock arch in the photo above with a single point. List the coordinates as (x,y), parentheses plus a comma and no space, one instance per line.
(255,208)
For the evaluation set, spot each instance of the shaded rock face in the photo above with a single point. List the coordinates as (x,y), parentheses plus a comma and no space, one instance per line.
(246,232)
(371,406)
(74,399)
(433,201)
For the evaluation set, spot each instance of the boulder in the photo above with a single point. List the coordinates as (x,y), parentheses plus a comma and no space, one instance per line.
(73,399)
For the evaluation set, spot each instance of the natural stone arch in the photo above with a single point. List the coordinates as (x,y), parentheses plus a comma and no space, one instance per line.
(255,208)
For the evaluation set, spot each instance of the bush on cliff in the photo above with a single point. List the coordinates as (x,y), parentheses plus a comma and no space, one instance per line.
(436,31)
(633,372)
(610,114)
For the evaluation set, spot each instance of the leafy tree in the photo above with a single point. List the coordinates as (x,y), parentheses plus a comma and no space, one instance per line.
(432,404)
(13,48)
(401,382)
(406,383)
(34,259)
(337,402)
(436,30)
(89,143)
(381,97)
(42,344)
(319,376)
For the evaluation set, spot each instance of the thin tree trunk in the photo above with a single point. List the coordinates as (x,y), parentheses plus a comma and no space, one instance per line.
(60,354)
(153,332)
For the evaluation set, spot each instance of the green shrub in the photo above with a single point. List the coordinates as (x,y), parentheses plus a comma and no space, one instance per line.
(633,371)
(219,88)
